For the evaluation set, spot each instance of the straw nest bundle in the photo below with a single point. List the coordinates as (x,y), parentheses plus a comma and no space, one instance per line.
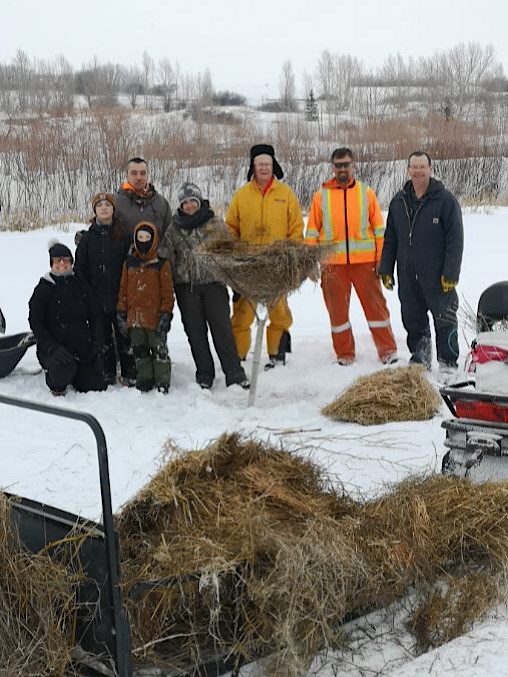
(400,394)
(248,550)
(261,273)
(37,607)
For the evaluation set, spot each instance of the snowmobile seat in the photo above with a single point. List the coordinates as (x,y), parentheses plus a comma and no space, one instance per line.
(492,307)
(12,349)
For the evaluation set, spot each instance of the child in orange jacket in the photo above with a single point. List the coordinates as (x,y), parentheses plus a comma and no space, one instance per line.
(145,308)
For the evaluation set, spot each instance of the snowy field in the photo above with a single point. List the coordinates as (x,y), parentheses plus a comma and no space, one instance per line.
(54,461)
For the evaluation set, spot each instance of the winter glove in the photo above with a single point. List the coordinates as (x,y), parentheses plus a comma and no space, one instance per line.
(447,285)
(164,323)
(388,282)
(2,323)
(121,319)
(61,356)
(236,296)
(77,237)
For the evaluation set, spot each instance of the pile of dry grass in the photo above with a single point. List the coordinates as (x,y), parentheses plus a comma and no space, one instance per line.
(261,273)
(37,607)
(256,553)
(400,394)
(448,609)
(218,525)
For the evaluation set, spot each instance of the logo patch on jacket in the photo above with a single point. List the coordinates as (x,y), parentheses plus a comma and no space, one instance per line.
(278,199)
(435,220)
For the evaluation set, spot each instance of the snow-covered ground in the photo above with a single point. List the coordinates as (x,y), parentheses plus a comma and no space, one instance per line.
(53,460)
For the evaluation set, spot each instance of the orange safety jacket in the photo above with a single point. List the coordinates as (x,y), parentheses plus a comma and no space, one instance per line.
(350,220)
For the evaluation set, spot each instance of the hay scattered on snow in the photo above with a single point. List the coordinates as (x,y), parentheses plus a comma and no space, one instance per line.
(400,394)
(260,555)
(37,607)
(261,273)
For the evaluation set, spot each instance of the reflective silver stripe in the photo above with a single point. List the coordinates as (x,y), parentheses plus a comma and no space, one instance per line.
(364,210)
(340,247)
(341,327)
(326,208)
(375,324)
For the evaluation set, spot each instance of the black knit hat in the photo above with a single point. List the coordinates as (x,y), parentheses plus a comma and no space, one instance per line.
(58,250)
(264,149)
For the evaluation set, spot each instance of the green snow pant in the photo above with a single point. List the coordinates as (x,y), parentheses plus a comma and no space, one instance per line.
(153,366)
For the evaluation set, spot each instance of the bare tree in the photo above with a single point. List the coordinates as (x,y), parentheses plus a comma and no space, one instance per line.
(287,86)
(147,69)
(167,83)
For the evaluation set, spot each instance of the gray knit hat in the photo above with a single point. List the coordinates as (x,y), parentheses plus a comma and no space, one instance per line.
(189,191)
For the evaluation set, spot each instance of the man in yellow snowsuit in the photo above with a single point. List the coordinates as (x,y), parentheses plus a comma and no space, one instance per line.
(262,211)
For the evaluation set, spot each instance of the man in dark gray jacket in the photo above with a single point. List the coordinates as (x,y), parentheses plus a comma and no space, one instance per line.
(137,200)
(424,235)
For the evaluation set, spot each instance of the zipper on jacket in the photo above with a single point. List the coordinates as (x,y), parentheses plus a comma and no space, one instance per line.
(411,222)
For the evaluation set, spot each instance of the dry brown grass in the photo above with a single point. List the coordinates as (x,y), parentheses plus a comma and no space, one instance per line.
(261,273)
(448,609)
(259,554)
(400,394)
(37,607)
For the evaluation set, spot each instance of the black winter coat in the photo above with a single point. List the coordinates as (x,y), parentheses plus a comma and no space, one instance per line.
(63,311)
(99,261)
(429,243)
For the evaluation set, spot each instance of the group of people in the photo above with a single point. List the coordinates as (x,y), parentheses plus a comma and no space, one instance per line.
(105,315)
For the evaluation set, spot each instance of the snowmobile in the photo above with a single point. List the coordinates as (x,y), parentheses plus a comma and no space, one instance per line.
(477,435)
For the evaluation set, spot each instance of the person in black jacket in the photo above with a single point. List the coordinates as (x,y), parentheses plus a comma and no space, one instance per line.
(66,323)
(100,255)
(424,235)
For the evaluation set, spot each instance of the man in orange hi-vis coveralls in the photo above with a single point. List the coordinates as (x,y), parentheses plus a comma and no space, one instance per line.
(345,213)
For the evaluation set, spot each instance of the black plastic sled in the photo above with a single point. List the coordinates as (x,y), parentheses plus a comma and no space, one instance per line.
(12,349)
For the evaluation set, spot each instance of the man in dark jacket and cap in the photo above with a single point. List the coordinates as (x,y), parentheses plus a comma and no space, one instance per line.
(424,235)
(137,200)
(261,212)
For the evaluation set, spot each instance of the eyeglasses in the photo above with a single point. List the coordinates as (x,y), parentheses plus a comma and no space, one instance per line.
(61,259)
(342,165)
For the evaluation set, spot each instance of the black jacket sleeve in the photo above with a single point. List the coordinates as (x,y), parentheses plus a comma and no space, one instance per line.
(389,253)
(454,239)
(81,262)
(37,317)
(94,316)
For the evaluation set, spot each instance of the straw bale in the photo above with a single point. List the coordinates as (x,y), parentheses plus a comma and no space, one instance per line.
(256,554)
(37,607)
(261,273)
(388,395)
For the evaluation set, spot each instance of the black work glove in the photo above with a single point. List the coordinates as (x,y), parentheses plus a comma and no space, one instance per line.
(164,323)
(121,319)
(236,296)
(61,356)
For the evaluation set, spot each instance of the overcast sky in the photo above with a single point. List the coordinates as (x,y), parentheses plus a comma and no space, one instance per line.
(243,42)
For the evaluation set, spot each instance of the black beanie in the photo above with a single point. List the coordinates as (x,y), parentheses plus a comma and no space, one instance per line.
(264,149)
(57,249)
